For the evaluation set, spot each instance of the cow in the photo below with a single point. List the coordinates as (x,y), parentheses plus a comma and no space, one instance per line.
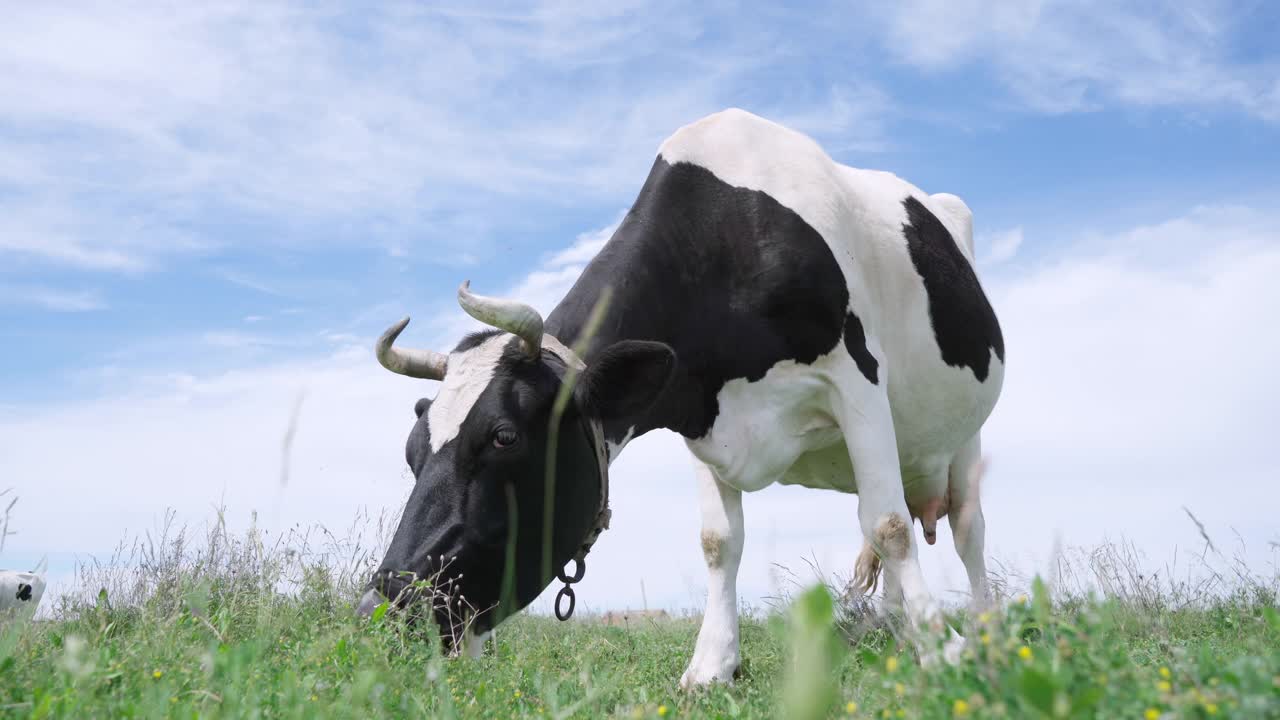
(796,320)
(20,591)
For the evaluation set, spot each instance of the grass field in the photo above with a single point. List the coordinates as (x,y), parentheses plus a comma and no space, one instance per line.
(209,633)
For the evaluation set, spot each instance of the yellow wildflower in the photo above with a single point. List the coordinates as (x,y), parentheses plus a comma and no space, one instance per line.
(1021,600)
(1164,686)
(960,708)
(157,674)
(891,664)
(984,618)
(899,689)
(1164,673)
(1024,652)
(1211,708)
(851,707)
(662,711)
(1151,714)
(901,713)
(985,638)
(517,694)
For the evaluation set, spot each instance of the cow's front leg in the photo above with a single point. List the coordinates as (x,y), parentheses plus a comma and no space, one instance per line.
(867,424)
(716,656)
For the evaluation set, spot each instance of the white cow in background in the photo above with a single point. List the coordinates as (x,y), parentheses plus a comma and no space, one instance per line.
(20,591)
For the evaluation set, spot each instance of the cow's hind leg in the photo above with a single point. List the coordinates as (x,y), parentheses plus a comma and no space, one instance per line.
(867,576)
(968,528)
(716,656)
(867,424)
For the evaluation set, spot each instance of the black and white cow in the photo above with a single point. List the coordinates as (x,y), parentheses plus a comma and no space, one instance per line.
(21,591)
(796,320)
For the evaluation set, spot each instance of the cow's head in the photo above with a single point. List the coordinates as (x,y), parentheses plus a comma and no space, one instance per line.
(479,453)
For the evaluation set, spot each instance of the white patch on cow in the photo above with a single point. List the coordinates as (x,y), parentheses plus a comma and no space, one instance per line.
(615,448)
(21,591)
(470,372)
(958,219)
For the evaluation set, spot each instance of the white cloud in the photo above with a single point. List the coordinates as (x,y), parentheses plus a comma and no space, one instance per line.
(999,247)
(542,287)
(852,119)
(243,279)
(1140,380)
(52,298)
(585,247)
(400,118)
(38,236)
(70,251)
(231,339)
(545,287)
(43,224)
(1061,56)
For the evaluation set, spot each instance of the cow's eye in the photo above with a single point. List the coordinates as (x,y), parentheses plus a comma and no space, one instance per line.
(504,437)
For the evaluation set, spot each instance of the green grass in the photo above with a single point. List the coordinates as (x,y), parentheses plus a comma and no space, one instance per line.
(209,634)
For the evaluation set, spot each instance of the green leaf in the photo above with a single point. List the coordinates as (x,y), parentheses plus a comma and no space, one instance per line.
(1038,689)
(811,682)
(1273,617)
(380,611)
(1040,599)
(1083,703)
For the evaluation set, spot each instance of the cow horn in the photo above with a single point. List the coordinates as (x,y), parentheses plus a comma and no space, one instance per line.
(516,318)
(425,364)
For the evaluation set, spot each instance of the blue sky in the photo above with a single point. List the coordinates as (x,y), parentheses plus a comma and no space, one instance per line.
(203,209)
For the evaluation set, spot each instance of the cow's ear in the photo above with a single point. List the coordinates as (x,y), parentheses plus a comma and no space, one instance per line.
(625,379)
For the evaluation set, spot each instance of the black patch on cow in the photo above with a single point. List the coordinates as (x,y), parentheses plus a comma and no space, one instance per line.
(855,341)
(964,324)
(24,592)
(731,279)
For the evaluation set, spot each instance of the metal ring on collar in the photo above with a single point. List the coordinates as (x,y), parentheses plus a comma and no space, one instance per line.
(565,591)
(580,569)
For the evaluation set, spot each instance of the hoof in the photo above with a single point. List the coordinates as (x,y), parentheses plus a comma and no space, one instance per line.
(708,673)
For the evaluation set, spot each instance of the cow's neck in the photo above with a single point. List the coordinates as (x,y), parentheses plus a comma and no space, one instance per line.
(646,304)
